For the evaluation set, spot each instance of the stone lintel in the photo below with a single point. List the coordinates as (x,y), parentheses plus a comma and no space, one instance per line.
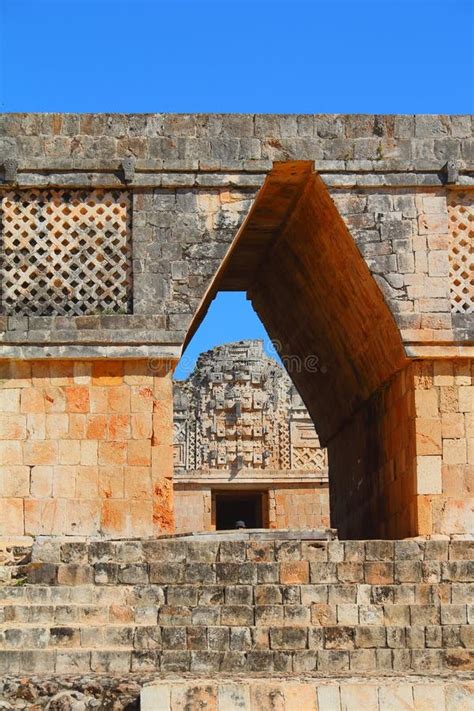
(249,477)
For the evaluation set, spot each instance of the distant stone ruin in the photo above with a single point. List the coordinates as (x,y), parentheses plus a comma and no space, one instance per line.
(239,423)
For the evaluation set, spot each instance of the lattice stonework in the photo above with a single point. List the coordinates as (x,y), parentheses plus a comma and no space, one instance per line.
(65,252)
(461,224)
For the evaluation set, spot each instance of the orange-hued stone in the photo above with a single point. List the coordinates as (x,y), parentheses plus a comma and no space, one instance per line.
(12,427)
(107,373)
(69,435)
(82,517)
(138,373)
(14,481)
(141,399)
(111,482)
(77,398)
(45,517)
(11,517)
(11,452)
(96,427)
(139,452)
(138,483)
(115,517)
(428,435)
(119,427)
(69,451)
(162,460)
(99,400)
(65,438)
(425,517)
(87,482)
(32,401)
(112,452)
(41,452)
(61,372)
(41,482)
(294,572)
(163,519)
(141,426)
(89,452)
(118,399)
(163,386)
(54,399)
(141,513)
(64,481)
(57,425)
(77,426)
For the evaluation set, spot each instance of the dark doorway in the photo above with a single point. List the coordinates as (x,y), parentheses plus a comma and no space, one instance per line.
(234,506)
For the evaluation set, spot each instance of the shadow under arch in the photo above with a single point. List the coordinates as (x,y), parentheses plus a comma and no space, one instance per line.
(318,300)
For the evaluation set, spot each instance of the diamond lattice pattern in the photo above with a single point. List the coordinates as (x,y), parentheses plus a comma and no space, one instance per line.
(65,252)
(461,224)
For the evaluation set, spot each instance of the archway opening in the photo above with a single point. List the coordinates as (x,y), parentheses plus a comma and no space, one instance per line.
(309,284)
(241,429)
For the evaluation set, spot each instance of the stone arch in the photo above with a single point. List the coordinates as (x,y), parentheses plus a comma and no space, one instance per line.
(315,294)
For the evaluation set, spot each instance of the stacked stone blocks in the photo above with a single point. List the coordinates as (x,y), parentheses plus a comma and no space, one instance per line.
(185,185)
(85,448)
(273,606)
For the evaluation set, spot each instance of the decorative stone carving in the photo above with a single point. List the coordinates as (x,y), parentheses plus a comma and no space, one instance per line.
(461,256)
(65,252)
(239,409)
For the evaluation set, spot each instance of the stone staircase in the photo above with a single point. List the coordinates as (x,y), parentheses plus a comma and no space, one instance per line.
(269,604)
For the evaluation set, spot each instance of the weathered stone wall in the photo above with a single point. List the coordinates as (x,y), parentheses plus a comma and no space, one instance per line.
(410,238)
(381,275)
(195,176)
(247,604)
(416,434)
(85,448)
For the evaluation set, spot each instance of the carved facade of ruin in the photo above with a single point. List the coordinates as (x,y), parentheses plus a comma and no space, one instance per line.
(240,409)
(239,423)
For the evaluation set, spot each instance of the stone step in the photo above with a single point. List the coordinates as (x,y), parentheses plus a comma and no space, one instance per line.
(211,560)
(68,660)
(233,548)
(75,613)
(334,648)
(289,572)
(353,598)
(322,694)
(72,636)
(126,658)
(247,692)
(320,615)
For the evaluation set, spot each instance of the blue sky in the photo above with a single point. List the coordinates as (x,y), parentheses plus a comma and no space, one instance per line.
(291,56)
(237,55)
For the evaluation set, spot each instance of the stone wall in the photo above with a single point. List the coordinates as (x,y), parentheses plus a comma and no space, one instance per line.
(274,603)
(192,179)
(85,448)
(423,466)
(360,223)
